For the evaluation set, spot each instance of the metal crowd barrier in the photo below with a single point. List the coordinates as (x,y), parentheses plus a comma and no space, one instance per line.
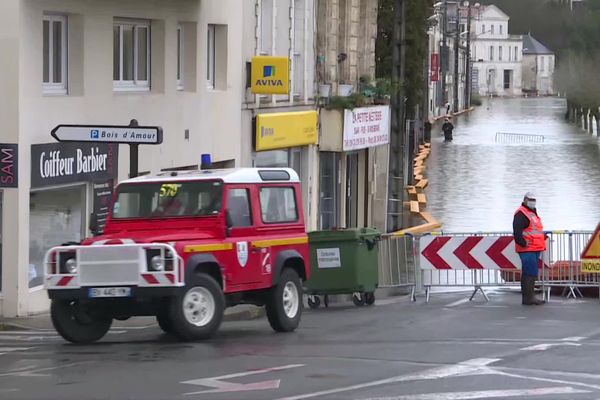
(507,137)
(397,266)
(400,266)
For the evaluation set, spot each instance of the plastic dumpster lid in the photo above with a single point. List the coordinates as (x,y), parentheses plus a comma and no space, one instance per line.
(342,234)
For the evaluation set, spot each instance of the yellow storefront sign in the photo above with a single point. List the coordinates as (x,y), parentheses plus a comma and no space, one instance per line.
(270,75)
(283,130)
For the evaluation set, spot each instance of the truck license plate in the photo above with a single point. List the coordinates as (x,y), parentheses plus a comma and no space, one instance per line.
(110,292)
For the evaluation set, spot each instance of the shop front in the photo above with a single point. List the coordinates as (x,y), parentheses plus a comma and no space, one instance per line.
(68,182)
(287,140)
(9,178)
(353,166)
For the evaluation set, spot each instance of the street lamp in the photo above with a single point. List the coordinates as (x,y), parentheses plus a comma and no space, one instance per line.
(468,80)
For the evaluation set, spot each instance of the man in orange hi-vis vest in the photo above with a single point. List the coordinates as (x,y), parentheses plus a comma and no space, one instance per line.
(530,242)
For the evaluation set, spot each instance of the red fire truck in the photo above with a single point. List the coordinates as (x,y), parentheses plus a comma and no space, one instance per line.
(183,246)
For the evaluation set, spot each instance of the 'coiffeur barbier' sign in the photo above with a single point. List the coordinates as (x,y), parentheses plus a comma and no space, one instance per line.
(60,163)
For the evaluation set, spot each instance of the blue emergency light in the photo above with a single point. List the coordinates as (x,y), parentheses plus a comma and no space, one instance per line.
(205,162)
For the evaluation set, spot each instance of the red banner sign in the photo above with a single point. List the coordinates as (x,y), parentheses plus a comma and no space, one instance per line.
(434,73)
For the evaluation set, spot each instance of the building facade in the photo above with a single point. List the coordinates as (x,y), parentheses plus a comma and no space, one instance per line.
(175,64)
(496,54)
(538,67)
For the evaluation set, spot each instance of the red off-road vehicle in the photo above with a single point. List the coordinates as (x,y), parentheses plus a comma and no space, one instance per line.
(183,246)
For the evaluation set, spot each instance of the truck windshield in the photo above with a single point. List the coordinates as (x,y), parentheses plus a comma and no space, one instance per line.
(168,199)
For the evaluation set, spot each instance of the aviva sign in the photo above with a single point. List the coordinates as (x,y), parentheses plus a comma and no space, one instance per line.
(270,75)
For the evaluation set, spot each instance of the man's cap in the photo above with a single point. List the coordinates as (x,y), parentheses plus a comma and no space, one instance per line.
(530,195)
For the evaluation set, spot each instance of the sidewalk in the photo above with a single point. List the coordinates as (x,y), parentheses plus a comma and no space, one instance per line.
(42,321)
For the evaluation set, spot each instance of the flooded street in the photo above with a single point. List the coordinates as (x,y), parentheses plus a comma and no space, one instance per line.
(476,183)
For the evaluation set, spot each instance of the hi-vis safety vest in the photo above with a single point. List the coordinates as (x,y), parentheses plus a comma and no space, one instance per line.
(533,234)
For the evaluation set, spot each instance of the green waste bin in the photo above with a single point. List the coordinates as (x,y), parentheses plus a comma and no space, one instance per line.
(343,261)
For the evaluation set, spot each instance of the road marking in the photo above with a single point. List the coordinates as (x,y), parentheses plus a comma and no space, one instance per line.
(486,394)
(457,303)
(462,369)
(480,362)
(546,346)
(36,371)
(220,386)
(574,339)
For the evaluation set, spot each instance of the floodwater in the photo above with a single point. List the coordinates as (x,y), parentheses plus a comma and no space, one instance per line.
(477,181)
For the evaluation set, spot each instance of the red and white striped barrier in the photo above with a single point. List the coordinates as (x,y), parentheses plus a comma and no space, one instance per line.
(469,253)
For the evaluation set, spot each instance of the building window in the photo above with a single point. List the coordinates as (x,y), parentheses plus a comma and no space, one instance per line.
(500,53)
(131,52)
(55,54)
(508,77)
(491,53)
(210,57)
(483,28)
(493,31)
(278,205)
(501,29)
(180,57)
(516,53)
(542,64)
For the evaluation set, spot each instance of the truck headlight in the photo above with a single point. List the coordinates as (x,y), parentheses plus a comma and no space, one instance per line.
(157,263)
(71,266)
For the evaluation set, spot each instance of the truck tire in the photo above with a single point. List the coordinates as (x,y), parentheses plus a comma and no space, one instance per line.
(165,323)
(284,307)
(75,324)
(197,313)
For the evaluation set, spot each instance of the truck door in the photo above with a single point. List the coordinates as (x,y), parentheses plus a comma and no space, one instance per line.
(242,261)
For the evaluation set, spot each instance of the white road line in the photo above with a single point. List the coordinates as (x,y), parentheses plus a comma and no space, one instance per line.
(486,394)
(431,374)
(574,339)
(36,371)
(9,349)
(480,362)
(457,303)
(546,346)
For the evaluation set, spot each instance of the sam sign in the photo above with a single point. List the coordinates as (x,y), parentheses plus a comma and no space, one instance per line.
(285,130)
(8,165)
(270,75)
(366,127)
(108,134)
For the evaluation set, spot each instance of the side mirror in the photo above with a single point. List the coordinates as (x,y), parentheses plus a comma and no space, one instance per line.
(94,224)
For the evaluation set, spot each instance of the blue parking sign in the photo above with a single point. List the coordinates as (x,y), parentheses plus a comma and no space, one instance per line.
(95,134)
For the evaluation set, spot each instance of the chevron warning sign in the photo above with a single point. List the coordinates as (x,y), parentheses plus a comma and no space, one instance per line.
(590,259)
(469,252)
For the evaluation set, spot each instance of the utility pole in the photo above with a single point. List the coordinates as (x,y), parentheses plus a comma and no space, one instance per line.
(468,77)
(396,170)
(456,38)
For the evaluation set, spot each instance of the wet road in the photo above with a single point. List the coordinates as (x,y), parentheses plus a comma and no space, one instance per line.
(476,183)
(448,349)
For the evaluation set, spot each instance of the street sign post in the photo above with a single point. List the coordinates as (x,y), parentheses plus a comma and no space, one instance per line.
(590,259)
(132,134)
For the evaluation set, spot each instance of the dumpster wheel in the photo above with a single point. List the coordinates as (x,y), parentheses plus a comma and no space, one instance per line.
(359,299)
(369,298)
(314,302)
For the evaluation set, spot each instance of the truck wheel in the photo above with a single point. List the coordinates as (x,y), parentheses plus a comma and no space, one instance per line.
(75,324)
(165,323)
(284,307)
(197,313)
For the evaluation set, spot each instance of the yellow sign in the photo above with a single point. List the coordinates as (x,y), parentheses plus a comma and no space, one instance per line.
(283,130)
(270,75)
(590,259)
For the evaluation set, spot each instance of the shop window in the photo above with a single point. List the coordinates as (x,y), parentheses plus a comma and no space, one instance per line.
(330,188)
(1,242)
(54,54)
(56,216)
(238,208)
(278,205)
(131,55)
(266,27)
